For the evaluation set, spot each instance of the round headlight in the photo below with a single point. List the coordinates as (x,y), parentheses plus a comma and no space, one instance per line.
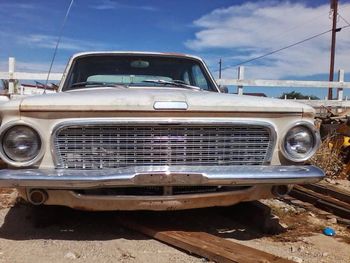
(21,143)
(300,143)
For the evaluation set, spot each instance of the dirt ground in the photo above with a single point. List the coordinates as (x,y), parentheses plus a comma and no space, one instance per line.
(342,184)
(56,234)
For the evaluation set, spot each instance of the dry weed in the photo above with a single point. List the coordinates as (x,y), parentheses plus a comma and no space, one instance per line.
(328,157)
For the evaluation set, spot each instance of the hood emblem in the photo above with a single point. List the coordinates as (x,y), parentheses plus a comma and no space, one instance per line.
(170,105)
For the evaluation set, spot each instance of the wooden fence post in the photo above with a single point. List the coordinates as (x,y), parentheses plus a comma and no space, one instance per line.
(12,63)
(240,77)
(340,92)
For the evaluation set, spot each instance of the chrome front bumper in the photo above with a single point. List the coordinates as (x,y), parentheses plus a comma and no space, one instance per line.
(160,176)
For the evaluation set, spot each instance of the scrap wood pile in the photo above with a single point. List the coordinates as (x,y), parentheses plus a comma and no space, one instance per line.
(334,154)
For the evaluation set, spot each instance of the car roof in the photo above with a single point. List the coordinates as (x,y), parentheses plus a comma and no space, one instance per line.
(171,54)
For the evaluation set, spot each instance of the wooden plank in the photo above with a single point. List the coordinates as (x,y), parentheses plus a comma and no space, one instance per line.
(326,203)
(240,77)
(323,197)
(201,243)
(228,82)
(329,190)
(31,76)
(340,91)
(37,76)
(282,83)
(4,75)
(11,84)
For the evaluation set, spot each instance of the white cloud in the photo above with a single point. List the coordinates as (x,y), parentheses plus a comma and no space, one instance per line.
(49,41)
(17,6)
(252,29)
(109,5)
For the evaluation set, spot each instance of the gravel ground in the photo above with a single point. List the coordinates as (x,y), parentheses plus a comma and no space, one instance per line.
(56,234)
(63,235)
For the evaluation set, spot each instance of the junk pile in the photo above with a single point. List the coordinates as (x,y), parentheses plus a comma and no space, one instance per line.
(334,154)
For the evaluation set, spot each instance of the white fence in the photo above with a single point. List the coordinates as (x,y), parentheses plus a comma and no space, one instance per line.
(240,82)
(12,75)
(339,85)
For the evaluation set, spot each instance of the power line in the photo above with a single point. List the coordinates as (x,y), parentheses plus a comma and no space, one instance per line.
(308,21)
(285,47)
(346,21)
(341,9)
(295,27)
(280,49)
(291,45)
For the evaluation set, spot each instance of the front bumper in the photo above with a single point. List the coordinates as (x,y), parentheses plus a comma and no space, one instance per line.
(159,176)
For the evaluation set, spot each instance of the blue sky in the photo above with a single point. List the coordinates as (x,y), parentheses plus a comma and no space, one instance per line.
(227,29)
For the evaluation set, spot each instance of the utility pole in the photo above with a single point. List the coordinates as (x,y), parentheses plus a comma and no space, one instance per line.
(220,63)
(334,7)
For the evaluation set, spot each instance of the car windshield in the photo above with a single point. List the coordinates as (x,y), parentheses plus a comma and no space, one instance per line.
(137,71)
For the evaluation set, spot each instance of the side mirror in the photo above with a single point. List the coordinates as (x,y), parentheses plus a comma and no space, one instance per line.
(223,89)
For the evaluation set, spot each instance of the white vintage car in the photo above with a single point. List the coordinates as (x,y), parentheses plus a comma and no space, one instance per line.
(152,131)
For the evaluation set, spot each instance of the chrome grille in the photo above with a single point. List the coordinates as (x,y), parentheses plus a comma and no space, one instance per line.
(102,146)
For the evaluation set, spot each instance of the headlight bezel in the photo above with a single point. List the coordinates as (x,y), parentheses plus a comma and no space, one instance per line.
(316,138)
(3,155)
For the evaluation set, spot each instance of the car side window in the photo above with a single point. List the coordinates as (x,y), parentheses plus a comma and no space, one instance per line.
(199,78)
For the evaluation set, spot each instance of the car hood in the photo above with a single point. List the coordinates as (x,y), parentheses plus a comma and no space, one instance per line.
(136,99)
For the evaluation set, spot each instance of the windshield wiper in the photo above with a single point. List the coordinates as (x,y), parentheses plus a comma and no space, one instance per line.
(96,83)
(176,83)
